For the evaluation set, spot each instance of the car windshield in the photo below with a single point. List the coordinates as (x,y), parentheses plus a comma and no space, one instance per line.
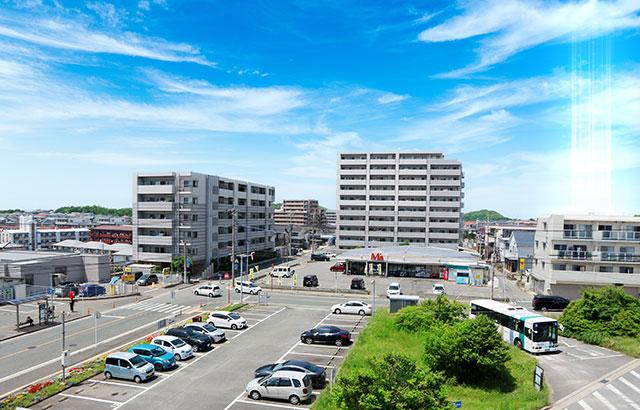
(178,343)
(137,361)
(253,285)
(234,315)
(209,328)
(263,378)
(192,333)
(545,332)
(157,352)
(143,277)
(309,366)
(278,366)
(393,287)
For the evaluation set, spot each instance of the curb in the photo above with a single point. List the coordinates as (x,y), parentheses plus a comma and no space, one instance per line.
(78,298)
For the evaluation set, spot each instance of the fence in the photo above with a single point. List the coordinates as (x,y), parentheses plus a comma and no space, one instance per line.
(171,279)
(7,293)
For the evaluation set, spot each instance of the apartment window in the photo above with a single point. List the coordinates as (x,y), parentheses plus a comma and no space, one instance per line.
(544,225)
(194,218)
(195,201)
(195,234)
(544,245)
(195,184)
(557,266)
(606,269)
(537,244)
(626,269)
(605,227)
(578,268)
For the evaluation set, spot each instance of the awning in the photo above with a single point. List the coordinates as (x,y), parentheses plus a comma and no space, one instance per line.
(27,299)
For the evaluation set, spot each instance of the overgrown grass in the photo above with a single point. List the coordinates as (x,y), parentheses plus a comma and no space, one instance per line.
(231,308)
(511,389)
(623,344)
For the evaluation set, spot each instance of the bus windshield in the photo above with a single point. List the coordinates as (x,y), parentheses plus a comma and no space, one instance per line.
(545,332)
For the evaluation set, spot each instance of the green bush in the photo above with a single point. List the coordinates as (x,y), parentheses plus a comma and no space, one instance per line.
(467,351)
(607,310)
(392,382)
(429,313)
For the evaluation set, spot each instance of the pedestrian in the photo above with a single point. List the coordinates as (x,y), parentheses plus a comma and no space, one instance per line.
(71,300)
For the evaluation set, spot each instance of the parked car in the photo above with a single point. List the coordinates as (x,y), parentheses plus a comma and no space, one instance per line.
(136,276)
(338,267)
(326,334)
(317,374)
(357,283)
(394,289)
(310,280)
(320,257)
(63,290)
(227,319)
(544,303)
(331,254)
(355,307)
(155,355)
(127,365)
(146,280)
(438,289)
(174,345)
(92,290)
(292,386)
(207,329)
(282,271)
(208,290)
(248,287)
(198,341)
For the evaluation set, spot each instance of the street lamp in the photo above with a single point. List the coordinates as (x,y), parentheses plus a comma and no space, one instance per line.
(373,309)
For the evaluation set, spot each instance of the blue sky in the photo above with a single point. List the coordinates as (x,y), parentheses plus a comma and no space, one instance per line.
(270,91)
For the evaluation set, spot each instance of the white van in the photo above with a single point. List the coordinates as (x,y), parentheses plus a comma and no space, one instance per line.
(282,271)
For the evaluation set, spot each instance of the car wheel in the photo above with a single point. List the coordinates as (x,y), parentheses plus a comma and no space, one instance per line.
(137,379)
(252,292)
(158,367)
(234,327)
(237,290)
(195,292)
(544,309)
(107,375)
(255,395)
(361,313)
(210,295)
(338,342)
(177,356)
(308,340)
(517,343)
(337,311)
(195,348)
(295,400)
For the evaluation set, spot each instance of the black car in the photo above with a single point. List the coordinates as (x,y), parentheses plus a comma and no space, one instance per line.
(146,280)
(357,283)
(544,303)
(310,281)
(317,374)
(320,257)
(326,334)
(197,340)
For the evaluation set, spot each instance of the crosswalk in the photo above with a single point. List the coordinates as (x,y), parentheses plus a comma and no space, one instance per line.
(621,393)
(167,308)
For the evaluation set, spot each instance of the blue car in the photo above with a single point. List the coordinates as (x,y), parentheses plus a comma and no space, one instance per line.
(155,355)
(92,290)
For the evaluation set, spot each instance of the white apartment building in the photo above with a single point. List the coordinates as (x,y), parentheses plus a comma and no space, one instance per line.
(573,252)
(332,217)
(34,237)
(299,212)
(387,198)
(174,210)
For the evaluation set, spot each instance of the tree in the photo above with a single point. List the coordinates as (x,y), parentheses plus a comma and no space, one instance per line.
(405,243)
(177,264)
(467,351)
(608,310)
(483,215)
(391,382)
(429,313)
(95,209)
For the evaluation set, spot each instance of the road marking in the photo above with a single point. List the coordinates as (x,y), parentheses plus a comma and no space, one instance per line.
(628,383)
(268,404)
(590,353)
(567,344)
(89,398)
(345,325)
(119,384)
(316,345)
(599,357)
(635,374)
(584,405)
(604,401)
(113,316)
(317,354)
(623,396)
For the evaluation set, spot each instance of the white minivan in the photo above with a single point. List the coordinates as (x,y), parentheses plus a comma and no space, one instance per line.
(174,345)
(282,384)
(282,271)
(231,320)
(208,290)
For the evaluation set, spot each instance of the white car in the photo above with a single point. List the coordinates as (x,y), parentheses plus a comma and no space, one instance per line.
(248,287)
(282,271)
(227,319)
(282,384)
(437,289)
(208,290)
(216,335)
(394,289)
(354,307)
(174,345)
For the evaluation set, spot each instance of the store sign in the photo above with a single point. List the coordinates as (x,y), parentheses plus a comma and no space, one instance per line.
(377,257)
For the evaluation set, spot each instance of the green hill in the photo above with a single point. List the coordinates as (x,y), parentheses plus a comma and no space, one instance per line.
(483,215)
(95,209)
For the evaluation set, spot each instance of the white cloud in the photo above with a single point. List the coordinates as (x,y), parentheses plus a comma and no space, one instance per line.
(318,158)
(390,98)
(511,26)
(108,13)
(144,5)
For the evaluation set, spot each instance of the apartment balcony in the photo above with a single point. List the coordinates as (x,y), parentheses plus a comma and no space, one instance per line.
(352,202)
(442,235)
(619,257)
(382,172)
(422,172)
(344,222)
(358,182)
(373,202)
(185,190)
(378,234)
(350,242)
(406,161)
(382,224)
(444,214)
(353,172)
(156,206)
(154,257)
(444,182)
(574,255)
(445,204)
(411,224)
(446,172)
(622,236)
(412,213)
(348,192)
(352,161)
(595,278)
(155,240)
(413,182)
(228,193)
(575,234)
(382,161)
(155,189)
(444,225)
(345,232)
(412,203)
(405,234)
(155,223)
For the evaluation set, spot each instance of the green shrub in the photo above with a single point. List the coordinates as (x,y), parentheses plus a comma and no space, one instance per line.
(467,351)
(429,313)
(392,382)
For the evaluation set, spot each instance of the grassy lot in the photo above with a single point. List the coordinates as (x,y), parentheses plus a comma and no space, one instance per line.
(623,344)
(512,390)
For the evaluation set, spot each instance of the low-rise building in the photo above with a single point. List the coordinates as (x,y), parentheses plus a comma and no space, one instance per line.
(520,248)
(574,252)
(112,234)
(35,237)
(300,212)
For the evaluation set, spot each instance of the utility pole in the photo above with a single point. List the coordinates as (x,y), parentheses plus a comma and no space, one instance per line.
(63,345)
(492,275)
(241,281)
(184,262)
(233,247)
(373,309)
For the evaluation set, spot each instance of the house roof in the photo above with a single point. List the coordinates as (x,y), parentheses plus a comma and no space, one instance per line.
(524,237)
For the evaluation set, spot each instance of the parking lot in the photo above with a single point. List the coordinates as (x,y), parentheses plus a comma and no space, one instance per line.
(217,378)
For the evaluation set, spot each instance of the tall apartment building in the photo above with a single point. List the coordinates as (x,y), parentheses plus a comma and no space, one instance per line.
(303,212)
(386,198)
(573,252)
(174,210)
(332,217)
(34,237)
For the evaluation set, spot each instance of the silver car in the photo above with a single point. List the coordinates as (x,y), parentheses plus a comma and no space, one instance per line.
(282,384)
(216,335)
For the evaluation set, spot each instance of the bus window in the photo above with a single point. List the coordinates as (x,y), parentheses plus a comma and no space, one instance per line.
(545,332)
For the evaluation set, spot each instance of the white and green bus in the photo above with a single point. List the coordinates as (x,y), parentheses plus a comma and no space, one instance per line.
(523,329)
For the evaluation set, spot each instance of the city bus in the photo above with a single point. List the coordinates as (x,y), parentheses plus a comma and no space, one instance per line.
(526,330)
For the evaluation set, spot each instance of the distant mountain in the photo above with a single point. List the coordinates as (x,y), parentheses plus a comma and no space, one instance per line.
(95,209)
(483,215)
(276,205)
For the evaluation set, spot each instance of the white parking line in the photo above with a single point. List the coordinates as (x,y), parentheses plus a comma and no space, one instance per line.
(90,398)
(325,346)
(584,405)
(113,316)
(120,384)
(623,397)
(344,324)
(589,352)
(635,374)
(629,384)
(317,354)
(604,401)
(258,403)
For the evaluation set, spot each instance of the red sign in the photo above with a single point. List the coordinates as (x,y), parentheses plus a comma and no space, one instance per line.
(377,257)
(446,274)
(226,275)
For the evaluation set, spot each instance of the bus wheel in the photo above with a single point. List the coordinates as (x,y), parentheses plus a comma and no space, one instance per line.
(517,343)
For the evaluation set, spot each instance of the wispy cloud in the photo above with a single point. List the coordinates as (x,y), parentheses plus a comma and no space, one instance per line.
(511,26)
(108,13)
(390,98)
(318,157)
